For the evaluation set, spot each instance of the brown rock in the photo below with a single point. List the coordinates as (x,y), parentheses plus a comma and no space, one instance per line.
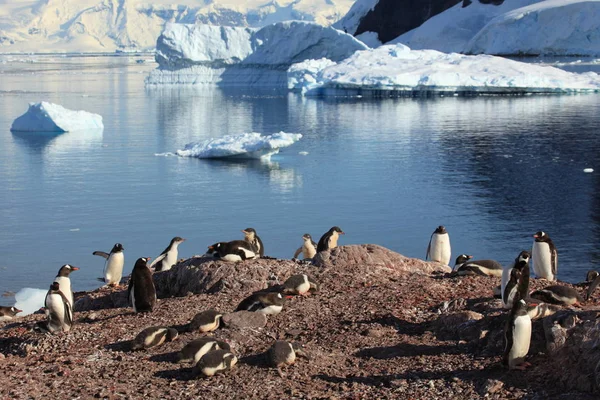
(245,319)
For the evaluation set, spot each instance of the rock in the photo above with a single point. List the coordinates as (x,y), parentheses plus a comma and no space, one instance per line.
(103,298)
(461,325)
(245,319)
(490,386)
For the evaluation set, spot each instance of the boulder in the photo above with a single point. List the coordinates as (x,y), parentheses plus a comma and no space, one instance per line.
(245,319)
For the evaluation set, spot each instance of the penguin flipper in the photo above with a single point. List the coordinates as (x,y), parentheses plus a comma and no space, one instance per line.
(101,254)
(554,262)
(157,259)
(427,255)
(297,253)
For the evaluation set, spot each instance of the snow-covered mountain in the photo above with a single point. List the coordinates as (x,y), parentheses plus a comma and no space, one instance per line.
(109,25)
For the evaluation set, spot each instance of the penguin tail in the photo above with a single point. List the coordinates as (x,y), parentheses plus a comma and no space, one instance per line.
(100,279)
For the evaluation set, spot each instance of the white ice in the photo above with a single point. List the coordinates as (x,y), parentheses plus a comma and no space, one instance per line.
(49,117)
(245,146)
(30,300)
(408,72)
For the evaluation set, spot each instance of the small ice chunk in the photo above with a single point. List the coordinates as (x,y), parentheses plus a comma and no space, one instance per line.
(49,117)
(30,300)
(303,153)
(588,170)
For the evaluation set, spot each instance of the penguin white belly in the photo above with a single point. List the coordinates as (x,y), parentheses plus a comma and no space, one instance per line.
(56,308)
(304,287)
(248,253)
(231,258)
(291,357)
(271,310)
(113,271)
(169,260)
(521,340)
(308,251)
(64,283)
(542,260)
(202,351)
(440,248)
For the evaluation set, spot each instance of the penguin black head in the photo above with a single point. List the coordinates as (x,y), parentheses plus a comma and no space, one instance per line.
(54,286)
(523,256)
(172,334)
(307,236)
(66,269)
(591,275)
(337,229)
(540,234)
(177,239)
(440,230)
(141,262)
(463,258)
(15,310)
(250,233)
(117,248)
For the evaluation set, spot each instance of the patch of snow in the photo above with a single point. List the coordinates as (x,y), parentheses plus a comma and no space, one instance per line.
(30,300)
(303,153)
(352,19)
(245,146)
(371,39)
(398,70)
(49,117)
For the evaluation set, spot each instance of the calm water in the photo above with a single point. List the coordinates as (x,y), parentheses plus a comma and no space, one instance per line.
(493,170)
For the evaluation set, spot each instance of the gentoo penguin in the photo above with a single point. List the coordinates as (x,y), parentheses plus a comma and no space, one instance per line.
(515,278)
(270,303)
(58,309)
(251,237)
(153,336)
(141,292)
(591,275)
(113,268)
(206,321)
(518,336)
(544,257)
(215,361)
(8,313)
(299,284)
(329,240)
(476,267)
(541,310)
(308,249)
(557,294)
(236,250)
(283,353)
(593,284)
(168,257)
(65,282)
(194,350)
(439,246)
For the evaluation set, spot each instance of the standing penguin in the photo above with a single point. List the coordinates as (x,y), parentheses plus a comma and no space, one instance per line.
(251,237)
(283,353)
(270,303)
(515,279)
(168,257)
(8,313)
(544,257)
(439,246)
(517,336)
(65,282)
(113,267)
(58,309)
(153,336)
(308,249)
(141,292)
(329,240)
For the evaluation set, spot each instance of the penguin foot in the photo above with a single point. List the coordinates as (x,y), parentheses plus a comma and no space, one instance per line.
(523,366)
(280,373)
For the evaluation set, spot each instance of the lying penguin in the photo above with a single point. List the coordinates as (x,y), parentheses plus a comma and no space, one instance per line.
(283,354)
(463,266)
(205,321)
(197,348)
(216,361)
(270,303)
(153,336)
(541,310)
(8,313)
(299,284)
(557,294)
(236,250)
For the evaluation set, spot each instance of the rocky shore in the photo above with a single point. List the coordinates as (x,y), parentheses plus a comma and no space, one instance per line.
(382,326)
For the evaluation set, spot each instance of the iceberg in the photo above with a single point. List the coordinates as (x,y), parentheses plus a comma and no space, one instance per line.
(396,70)
(49,117)
(245,146)
(30,300)
(204,54)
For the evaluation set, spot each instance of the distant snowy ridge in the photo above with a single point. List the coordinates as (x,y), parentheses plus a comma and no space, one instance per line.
(351,20)
(245,146)
(398,70)
(200,54)
(109,25)
(49,117)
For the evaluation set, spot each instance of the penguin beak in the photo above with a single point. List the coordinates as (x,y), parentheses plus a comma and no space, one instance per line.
(536,236)
(342,233)
(469,257)
(74,268)
(211,248)
(18,311)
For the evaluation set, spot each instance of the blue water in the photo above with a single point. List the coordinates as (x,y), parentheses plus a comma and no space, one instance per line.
(492,170)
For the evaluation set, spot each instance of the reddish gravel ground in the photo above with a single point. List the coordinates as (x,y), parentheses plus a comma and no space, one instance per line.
(384,335)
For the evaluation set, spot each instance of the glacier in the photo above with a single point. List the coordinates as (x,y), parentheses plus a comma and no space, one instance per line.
(30,300)
(244,146)
(50,117)
(349,23)
(396,70)
(201,54)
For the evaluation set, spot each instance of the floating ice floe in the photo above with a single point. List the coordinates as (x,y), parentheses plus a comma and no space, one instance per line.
(245,146)
(49,117)
(396,70)
(588,170)
(30,300)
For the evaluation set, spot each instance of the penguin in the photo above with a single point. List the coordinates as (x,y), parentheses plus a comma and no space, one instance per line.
(591,275)
(113,267)
(8,313)
(557,294)
(58,309)
(206,321)
(308,249)
(168,257)
(439,246)
(141,292)
(153,336)
(65,282)
(283,353)
(329,240)
(541,310)
(214,362)
(251,237)
(477,267)
(593,284)
(544,257)
(299,284)
(515,278)
(517,336)
(236,250)
(194,350)
(270,303)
